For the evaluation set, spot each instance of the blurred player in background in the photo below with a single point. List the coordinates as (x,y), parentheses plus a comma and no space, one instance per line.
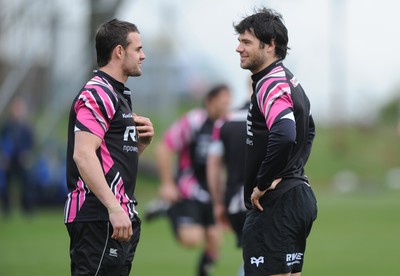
(226,160)
(225,168)
(186,191)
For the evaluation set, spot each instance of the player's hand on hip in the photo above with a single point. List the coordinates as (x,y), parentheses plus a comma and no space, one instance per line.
(274,184)
(255,198)
(257,194)
(122,225)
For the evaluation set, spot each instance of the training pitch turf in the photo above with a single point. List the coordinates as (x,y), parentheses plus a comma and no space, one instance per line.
(355,234)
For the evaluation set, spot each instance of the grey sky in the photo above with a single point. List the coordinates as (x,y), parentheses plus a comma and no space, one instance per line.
(350,46)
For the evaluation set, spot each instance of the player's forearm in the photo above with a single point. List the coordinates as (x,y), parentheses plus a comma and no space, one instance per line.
(93,176)
(214,178)
(164,163)
(281,140)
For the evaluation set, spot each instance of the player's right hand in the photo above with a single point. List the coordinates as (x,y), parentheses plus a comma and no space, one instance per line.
(122,225)
(220,216)
(169,192)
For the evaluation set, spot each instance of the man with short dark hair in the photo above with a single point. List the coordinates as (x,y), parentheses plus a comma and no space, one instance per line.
(225,161)
(280,131)
(191,212)
(105,139)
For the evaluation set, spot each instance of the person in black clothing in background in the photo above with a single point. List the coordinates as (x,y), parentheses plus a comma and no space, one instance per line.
(226,157)
(225,168)
(280,132)
(227,154)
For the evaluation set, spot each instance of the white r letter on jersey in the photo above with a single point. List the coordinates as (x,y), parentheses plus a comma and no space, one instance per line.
(130,131)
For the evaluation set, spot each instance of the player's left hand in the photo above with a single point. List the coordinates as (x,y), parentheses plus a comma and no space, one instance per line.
(145,129)
(257,194)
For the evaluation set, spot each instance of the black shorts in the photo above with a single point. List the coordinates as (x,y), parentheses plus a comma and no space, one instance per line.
(274,240)
(189,212)
(94,252)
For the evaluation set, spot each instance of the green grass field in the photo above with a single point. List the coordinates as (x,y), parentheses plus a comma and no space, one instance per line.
(355,234)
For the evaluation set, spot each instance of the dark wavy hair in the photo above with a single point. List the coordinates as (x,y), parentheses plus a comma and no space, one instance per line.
(109,35)
(266,25)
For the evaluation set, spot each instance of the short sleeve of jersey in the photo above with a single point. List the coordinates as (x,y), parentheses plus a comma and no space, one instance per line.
(95,109)
(273,100)
(217,146)
(182,131)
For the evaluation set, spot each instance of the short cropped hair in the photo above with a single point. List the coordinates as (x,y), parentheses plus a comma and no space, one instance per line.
(109,35)
(266,25)
(215,91)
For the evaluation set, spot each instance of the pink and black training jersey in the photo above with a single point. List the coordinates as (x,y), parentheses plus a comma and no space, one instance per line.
(99,109)
(190,137)
(280,131)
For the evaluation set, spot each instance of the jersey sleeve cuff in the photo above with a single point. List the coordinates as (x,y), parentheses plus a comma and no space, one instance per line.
(263,186)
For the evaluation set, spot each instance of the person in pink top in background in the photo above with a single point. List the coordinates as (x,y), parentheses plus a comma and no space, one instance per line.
(186,191)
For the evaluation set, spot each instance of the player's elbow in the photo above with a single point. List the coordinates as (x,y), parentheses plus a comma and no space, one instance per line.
(80,156)
(288,139)
(284,133)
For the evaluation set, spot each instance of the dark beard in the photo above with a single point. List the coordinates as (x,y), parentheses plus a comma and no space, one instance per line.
(255,65)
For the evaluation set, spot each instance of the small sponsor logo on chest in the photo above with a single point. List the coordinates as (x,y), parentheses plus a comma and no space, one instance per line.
(127,115)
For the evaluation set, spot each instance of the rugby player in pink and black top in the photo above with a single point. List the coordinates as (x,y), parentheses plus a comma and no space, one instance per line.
(191,211)
(105,139)
(280,132)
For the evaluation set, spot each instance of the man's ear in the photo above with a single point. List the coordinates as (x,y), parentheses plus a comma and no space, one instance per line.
(118,52)
(271,47)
